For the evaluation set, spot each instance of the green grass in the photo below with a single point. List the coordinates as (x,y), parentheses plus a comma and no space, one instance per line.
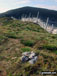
(3,39)
(25,49)
(27,42)
(50,47)
(1,58)
(11,35)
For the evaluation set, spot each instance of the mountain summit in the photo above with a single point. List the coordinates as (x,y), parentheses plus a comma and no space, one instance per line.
(25,11)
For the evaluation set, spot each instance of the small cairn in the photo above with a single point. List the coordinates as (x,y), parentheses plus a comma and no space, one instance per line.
(30,57)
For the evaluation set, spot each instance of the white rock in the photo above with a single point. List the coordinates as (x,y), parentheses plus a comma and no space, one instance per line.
(32,61)
(24,58)
(35,58)
(26,53)
(31,55)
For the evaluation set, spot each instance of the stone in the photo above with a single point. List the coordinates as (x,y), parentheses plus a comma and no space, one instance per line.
(24,58)
(31,55)
(26,53)
(35,58)
(32,61)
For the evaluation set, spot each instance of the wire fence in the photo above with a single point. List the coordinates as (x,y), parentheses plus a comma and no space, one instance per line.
(48,25)
(45,25)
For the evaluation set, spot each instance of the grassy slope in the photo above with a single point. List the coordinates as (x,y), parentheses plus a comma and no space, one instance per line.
(17,37)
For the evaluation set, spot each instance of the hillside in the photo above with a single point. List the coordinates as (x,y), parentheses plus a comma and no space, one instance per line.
(44,13)
(17,37)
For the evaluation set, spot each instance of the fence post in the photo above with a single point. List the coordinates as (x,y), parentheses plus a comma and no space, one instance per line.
(29,16)
(52,28)
(47,22)
(37,17)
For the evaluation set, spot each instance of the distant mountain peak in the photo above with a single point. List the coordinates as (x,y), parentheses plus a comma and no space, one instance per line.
(43,13)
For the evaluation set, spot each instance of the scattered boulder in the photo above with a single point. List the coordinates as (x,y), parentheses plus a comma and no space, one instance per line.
(25,58)
(26,53)
(30,57)
(32,61)
(32,54)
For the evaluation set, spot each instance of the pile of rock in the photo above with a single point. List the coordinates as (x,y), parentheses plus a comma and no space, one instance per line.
(30,57)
